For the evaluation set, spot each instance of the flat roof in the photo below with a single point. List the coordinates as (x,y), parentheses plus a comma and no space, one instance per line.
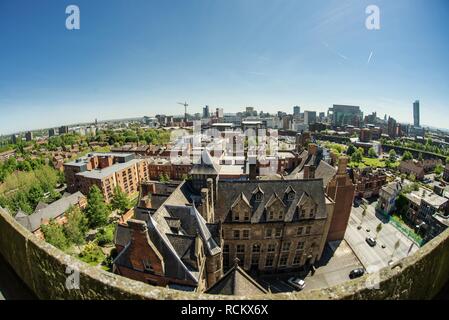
(106,172)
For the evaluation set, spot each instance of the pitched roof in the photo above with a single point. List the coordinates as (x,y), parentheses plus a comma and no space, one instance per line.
(236,282)
(207,165)
(45,213)
(229,191)
(325,171)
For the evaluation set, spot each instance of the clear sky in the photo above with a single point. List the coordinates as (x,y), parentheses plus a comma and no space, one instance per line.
(140,57)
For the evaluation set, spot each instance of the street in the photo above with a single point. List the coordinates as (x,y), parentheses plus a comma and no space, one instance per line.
(374,258)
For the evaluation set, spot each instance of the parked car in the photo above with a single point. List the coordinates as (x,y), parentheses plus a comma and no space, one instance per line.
(298,283)
(356,273)
(371,241)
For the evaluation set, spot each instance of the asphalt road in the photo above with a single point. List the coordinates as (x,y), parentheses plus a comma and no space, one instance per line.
(374,258)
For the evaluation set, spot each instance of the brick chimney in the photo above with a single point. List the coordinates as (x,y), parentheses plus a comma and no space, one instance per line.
(252,164)
(142,249)
(309,171)
(312,149)
(342,165)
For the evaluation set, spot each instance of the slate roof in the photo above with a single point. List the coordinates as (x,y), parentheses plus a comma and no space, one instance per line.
(325,171)
(45,213)
(173,228)
(207,165)
(229,191)
(236,282)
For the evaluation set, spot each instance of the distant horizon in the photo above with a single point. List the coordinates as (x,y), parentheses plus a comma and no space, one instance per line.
(126,61)
(181,115)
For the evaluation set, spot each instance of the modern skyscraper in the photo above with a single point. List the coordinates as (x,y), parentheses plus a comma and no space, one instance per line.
(309,117)
(416,113)
(296,111)
(206,113)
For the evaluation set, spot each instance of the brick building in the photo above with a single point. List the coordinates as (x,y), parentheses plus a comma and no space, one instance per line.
(44,213)
(368,181)
(107,171)
(187,238)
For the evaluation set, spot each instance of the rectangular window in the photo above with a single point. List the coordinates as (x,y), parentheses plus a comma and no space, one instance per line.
(271,247)
(297,259)
(256,248)
(300,246)
(226,248)
(236,234)
(283,260)
(268,233)
(308,229)
(269,260)
(299,231)
(286,246)
(240,248)
(278,232)
(246,234)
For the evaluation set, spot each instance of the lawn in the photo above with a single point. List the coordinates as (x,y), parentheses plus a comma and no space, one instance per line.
(372,162)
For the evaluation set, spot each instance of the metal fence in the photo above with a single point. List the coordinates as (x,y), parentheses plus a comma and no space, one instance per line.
(398,224)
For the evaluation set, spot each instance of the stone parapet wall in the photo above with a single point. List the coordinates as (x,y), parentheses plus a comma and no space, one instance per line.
(43,268)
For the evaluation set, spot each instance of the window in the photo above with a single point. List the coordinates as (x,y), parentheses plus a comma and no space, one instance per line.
(255,260)
(268,233)
(235,216)
(297,259)
(270,215)
(269,261)
(226,248)
(236,234)
(271,247)
(283,260)
(308,229)
(300,246)
(291,196)
(240,248)
(246,217)
(286,246)
(278,232)
(259,196)
(246,234)
(299,231)
(147,266)
(256,248)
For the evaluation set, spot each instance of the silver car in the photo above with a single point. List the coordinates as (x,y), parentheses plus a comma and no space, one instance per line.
(298,283)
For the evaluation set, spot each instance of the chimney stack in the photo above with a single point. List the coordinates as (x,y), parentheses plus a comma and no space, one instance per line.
(342,165)
(309,171)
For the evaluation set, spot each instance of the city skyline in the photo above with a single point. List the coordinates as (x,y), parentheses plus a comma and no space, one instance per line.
(143,60)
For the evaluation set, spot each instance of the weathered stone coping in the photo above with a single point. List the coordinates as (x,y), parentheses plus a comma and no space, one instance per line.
(43,269)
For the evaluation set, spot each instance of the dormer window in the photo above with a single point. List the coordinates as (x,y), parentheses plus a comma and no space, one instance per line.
(291,196)
(258,196)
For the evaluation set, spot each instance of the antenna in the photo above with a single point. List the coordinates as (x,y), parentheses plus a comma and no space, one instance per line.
(185,110)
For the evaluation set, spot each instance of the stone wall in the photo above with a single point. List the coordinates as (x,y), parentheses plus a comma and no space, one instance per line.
(43,269)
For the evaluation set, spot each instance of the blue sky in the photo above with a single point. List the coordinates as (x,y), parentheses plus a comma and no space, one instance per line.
(139,57)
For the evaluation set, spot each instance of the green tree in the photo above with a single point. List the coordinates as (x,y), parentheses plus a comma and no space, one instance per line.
(356,157)
(372,153)
(97,211)
(92,254)
(54,234)
(378,229)
(351,149)
(120,201)
(35,194)
(407,156)
(76,226)
(392,156)
(363,216)
(438,169)
(105,235)
(164,178)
